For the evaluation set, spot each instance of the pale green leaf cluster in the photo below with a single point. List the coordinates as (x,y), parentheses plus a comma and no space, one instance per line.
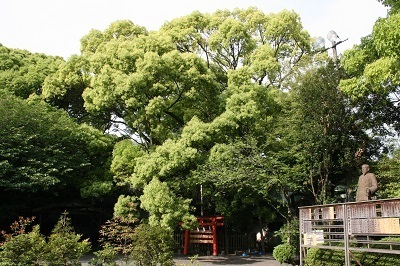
(165,161)
(150,85)
(386,34)
(174,156)
(388,175)
(69,76)
(127,207)
(125,154)
(165,208)
(373,66)
(23,73)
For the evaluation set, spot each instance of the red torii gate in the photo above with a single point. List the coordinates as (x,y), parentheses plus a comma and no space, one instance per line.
(204,236)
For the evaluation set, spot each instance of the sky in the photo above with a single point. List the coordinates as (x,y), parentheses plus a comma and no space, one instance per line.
(55,27)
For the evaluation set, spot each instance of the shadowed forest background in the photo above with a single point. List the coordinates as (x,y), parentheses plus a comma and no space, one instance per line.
(235,113)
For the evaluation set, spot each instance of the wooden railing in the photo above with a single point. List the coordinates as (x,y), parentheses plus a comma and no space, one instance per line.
(352,226)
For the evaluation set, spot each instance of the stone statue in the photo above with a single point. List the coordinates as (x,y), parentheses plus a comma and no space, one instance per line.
(367,184)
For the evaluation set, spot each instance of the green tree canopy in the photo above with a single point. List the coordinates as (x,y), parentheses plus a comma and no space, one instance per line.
(373,75)
(165,208)
(248,109)
(42,149)
(23,73)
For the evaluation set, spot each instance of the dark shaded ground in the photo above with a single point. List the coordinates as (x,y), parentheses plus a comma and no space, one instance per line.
(259,260)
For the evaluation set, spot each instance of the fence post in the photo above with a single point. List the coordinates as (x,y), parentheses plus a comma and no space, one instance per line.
(301,237)
(346,223)
(186,242)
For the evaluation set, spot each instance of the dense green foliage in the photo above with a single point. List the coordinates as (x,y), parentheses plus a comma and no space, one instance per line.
(152,245)
(332,257)
(43,149)
(24,247)
(373,75)
(284,253)
(372,82)
(21,247)
(232,113)
(388,171)
(143,244)
(49,161)
(23,73)
(116,238)
(64,246)
(165,209)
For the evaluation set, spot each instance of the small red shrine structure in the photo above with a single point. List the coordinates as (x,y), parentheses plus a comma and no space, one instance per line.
(205,234)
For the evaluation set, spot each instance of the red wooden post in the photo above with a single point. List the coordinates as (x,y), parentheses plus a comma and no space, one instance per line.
(215,242)
(186,242)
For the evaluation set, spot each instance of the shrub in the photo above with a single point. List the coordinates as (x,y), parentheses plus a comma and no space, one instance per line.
(142,244)
(64,246)
(30,248)
(105,256)
(284,253)
(324,257)
(152,245)
(127,207)
(117,233)
(23,248)
(329,257)
(289,232)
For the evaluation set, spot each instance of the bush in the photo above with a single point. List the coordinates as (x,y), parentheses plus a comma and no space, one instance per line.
(289,232)
(152,245)
(105,256)
(329,257)
(64,246)
(284,253)
(324,257)
(23,249)
(117,234)
(31,248)
(143,244)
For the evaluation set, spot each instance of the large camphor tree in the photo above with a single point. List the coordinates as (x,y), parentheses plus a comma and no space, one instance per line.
(184,94)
